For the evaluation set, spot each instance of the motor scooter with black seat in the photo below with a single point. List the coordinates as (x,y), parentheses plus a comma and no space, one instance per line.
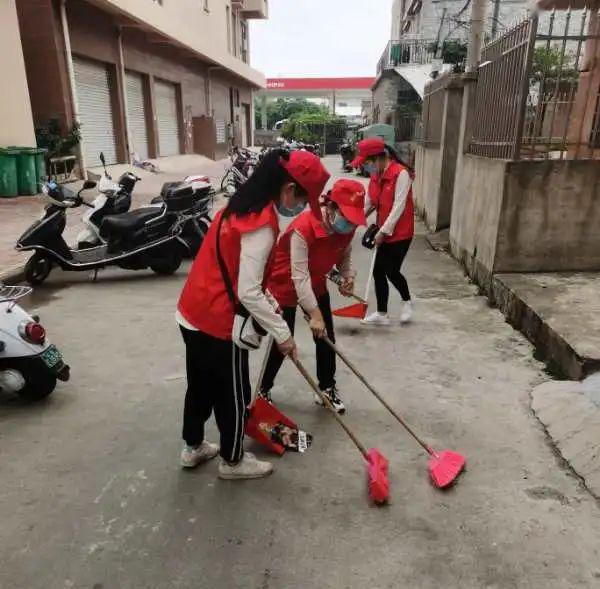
(144,238)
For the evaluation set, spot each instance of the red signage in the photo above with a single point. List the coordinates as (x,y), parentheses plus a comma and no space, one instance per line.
(320,83)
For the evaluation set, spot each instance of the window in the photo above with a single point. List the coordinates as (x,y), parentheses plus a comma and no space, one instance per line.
(228,19)
(234,33)
(244,30)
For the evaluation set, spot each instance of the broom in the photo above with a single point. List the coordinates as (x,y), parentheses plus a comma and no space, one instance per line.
(377,463)
(358,310)
(445,466)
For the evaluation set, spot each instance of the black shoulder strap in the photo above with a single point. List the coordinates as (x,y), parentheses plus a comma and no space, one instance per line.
(222,267)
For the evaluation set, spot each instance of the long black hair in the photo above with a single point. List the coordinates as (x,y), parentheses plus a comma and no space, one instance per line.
(393,154)
(263,187)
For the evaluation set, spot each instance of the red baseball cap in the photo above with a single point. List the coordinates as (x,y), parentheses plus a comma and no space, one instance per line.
(368,148)
(349,195)
(308,171)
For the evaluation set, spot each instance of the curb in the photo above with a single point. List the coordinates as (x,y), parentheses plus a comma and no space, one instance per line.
(13,275)
(550,346)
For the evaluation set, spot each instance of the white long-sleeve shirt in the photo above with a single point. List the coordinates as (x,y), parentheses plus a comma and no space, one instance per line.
(254,254)
(403,185)
(301,274)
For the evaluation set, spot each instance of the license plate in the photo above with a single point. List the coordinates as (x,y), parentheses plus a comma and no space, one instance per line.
(51,356)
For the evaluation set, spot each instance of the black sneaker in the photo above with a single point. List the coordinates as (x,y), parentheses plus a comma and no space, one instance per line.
(332,394)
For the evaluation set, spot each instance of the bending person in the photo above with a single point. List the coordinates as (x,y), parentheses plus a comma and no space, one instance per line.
(305,254)
(230,270)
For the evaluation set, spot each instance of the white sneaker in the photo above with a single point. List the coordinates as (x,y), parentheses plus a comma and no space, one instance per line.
(376,318)
(407,312)
(247,468)
(334,399)
(193,456)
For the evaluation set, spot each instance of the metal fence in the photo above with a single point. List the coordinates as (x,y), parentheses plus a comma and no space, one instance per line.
(536,97)
(407,51)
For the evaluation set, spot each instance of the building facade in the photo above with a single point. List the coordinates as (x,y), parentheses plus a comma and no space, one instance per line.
(142,78)
(15,107)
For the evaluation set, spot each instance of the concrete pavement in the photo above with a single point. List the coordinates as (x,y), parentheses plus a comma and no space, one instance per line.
(92,495)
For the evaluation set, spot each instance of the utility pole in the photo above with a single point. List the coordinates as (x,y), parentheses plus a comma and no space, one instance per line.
(476,33)
(495,18)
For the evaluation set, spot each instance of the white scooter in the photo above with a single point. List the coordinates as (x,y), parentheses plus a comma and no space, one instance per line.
(29,363)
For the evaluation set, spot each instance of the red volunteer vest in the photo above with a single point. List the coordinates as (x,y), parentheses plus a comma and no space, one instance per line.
(204,301)
(381,194)
(324,252)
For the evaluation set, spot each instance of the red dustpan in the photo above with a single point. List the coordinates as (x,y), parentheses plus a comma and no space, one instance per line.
(263,421)
(356,311)
(269,426)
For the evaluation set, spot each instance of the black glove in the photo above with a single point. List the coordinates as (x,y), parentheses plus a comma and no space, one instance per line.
(368,239)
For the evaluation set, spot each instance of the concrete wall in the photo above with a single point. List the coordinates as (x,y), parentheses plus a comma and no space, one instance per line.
(16,122)
(476,213)
(526,216)
(437,170)
(428,165)
(550,217)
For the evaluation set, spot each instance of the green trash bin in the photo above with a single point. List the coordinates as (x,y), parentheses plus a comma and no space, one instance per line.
(26,174)
(8,173)
(40,166)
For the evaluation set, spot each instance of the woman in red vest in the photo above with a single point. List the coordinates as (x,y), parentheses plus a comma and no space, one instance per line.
(223,306)
(390,194)
(305,254)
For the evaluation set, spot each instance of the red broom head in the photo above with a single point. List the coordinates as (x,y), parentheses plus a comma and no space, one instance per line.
(356,311)
(377,471)
(263,417)
(445,466)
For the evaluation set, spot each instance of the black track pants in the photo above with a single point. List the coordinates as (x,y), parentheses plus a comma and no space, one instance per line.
(388,263)
(218,380)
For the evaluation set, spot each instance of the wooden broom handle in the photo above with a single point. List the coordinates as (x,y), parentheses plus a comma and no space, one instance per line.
(350,365)
(354,296)
(329,406)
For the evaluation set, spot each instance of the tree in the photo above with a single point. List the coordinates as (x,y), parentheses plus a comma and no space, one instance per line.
(311,127)
(285,108)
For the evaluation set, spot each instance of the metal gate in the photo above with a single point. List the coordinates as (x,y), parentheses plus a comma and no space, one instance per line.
(136,115)
(167,118)
(94,89)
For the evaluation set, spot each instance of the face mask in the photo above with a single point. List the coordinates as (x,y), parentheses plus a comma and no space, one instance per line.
(342,225)
(290,212)
(370,168)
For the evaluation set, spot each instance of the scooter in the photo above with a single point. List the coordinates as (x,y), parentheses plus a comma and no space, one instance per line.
(347,153)
(143,238)
(29,364)
(196,227)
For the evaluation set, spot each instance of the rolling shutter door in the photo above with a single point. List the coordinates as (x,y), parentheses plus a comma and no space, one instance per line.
(167,118)
(94,87)
(136,115)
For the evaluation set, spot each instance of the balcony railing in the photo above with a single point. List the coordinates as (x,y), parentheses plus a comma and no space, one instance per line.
(406,52)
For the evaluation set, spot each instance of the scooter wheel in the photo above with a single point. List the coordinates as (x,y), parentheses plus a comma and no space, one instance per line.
(167,265)
(37,386)
(37,269)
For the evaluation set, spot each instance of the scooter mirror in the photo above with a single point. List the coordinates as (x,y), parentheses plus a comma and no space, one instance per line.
(89,184)
(102,160)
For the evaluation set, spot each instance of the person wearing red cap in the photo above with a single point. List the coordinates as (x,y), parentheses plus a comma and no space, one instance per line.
(223,306)
(390,194)
(305,254)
